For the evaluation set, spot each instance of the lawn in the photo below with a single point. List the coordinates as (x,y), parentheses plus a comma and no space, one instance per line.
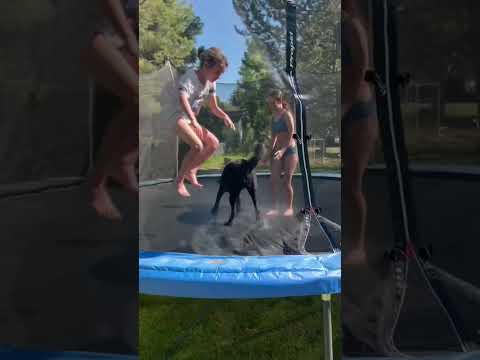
(453,146)
(273,329)
(217,162)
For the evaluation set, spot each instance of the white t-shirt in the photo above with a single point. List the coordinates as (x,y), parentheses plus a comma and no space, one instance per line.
(197,93)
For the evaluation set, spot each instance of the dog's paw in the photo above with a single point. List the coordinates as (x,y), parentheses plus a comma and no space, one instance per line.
(228,223)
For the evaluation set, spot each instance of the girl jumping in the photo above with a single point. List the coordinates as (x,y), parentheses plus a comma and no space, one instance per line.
(197,87)
(112,58)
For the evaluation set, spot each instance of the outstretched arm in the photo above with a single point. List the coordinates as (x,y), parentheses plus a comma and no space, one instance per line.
(215,109)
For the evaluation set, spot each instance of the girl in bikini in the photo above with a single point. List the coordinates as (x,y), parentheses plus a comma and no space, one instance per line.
(284,150)
(359,128)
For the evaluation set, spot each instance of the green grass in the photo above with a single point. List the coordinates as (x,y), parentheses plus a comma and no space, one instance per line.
(217,162)
(273,329)
(455,146)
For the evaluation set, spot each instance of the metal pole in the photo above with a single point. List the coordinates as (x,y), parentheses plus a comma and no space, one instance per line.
(91,127)
(327,326)
(324,150)
(439,108)
(417,109)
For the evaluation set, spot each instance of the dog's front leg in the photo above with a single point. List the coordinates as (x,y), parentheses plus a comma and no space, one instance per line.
(220,193)
(233,200)
(252,192)
(239,205)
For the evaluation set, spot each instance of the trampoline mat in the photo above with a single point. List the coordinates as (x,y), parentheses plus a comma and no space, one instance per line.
(63,270)
(173,224)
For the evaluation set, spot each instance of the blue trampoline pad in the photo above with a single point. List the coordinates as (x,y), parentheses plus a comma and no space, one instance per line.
(238,277)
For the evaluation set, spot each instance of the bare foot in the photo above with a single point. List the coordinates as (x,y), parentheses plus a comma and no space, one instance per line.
(192,179)
(103,204)
(355,257)
(271,213)
(127,177)
(288,212)
(182,190)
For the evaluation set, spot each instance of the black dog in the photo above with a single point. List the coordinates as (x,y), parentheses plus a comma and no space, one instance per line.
(237,176)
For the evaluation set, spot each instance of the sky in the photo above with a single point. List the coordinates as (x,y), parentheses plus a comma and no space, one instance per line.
(219,18)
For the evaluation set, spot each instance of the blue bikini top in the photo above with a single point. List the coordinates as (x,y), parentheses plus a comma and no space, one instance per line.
(279,125)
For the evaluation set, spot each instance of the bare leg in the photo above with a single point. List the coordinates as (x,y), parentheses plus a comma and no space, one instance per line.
(188,135)
(276,168)
(290,166)
(211,144)
(112,68)
(123,170)
(117,159)
(357,146)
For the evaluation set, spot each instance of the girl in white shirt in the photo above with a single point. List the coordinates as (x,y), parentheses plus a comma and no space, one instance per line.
(196,88)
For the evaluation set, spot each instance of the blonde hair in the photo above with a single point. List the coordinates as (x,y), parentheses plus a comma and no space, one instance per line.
(211,57)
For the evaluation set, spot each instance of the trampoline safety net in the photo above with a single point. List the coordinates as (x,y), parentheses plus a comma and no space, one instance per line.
(158,142)
(426,300)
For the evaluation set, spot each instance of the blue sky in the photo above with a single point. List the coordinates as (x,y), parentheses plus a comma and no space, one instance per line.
(219,18)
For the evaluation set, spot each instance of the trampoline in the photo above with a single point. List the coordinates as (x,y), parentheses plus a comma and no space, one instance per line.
(185,251)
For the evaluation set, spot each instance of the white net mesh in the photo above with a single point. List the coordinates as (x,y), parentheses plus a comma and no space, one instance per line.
(158,142)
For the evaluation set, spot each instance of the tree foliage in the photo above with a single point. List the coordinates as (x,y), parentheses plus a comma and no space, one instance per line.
(251,94)
(167,32)
(317,56)
(437,43)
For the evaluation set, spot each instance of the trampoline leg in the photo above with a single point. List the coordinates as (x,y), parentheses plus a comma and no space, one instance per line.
(327,327)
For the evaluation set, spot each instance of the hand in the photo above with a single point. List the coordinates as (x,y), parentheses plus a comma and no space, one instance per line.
(228,123)
(277,155)
(196,125)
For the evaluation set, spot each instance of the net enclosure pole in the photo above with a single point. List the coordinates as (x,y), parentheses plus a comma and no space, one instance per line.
(327,326)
